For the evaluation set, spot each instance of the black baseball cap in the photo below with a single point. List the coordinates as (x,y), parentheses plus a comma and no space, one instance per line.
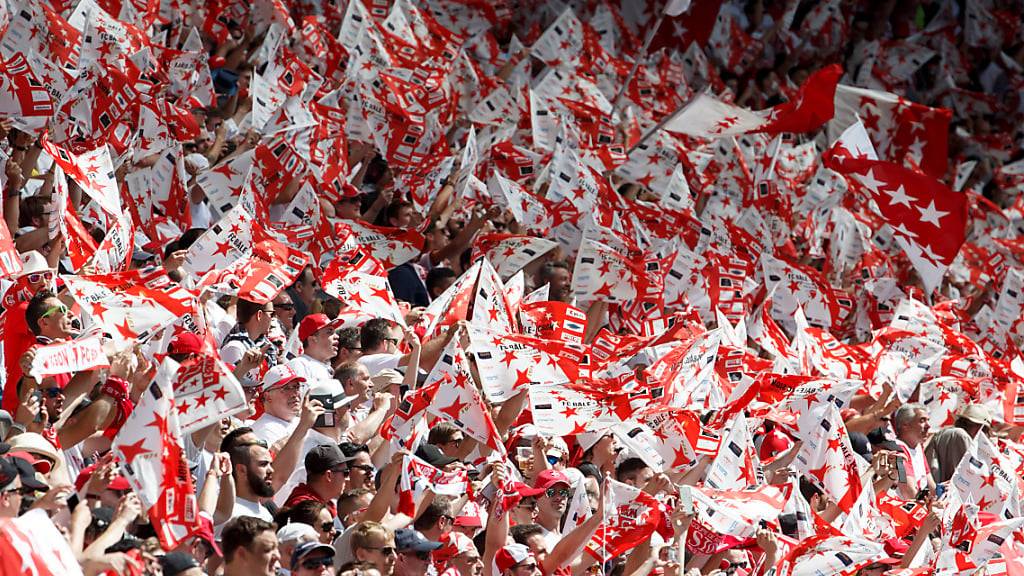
(410,539)
(323,458)
(8,472)
(432,455)
(174,563)
(27,473)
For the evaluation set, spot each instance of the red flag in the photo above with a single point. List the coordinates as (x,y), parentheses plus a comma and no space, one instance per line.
(929,219)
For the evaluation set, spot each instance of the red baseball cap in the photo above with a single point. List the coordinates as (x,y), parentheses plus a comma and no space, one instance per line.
(549,478)
(40,465)
(118,483)
(314,323)
(279,376)
(186,343)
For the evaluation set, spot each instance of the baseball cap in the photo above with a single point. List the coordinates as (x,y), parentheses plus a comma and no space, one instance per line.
(40,465)
(307,548)
(549,478)
(174,563)
(526,491)
(118,483)
(331,388)
(432,455)
(27,473)
(453,544)
(297,533)
(323,458)
(977,413)
(186,343)
(8,472)
(472,516)
(410,539)
(314,323)
(279,376)
(510,555)
(587,440)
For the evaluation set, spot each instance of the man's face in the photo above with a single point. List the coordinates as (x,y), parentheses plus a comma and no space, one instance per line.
(360,472)
(358,385)
(607,448)
(322,344)
(381,554)
(56,320)
(260,473)
(593,491)
(555,498)
(261,556)
(265,316)
(316,564)
(392,342)
(403,219)
(348,208)
(307,285)
(284,402)
(468,563)
(53,399)
(411,563)
(450,447)
(916,429)
(284,310)
(10,499)
(560,282)
(638,478)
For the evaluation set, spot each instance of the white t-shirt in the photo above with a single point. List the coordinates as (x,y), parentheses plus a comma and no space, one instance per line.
(311,369)
(245,507)
(271,428)
(233,351)
(376,362)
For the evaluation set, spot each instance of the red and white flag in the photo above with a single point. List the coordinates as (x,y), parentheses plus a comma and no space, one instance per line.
(507,362)
(814,105)
(32,544)
(204,391)
(23,97)
(149,452)
(929,221)
(131,305)
(633,516)
(510,253)
(364,296)
(457,399)
(68,357)
(93,171)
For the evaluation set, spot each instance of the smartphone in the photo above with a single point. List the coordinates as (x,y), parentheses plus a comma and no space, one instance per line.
(901,470)
(37,398)
(923,494)
(325,420)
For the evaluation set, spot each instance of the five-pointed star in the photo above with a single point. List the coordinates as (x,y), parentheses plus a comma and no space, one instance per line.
(931,214)
(899,196)
(870,182)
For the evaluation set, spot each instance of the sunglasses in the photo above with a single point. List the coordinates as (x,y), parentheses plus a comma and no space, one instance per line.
(55,309)
(283,307)
(366,468)
(327,527)
(552,492)
(553,459)
(385,550)
(317,563)
(36,277)
(53,392)
(528,567)
(394,341)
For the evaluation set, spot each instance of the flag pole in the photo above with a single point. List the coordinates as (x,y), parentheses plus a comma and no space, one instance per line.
(636,61)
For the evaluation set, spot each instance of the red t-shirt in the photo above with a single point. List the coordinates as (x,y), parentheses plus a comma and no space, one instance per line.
(303,492)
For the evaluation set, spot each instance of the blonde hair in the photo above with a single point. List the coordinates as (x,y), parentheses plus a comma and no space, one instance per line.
(365,534)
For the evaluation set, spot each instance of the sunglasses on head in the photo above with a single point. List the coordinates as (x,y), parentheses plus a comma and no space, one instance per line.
(316,563)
